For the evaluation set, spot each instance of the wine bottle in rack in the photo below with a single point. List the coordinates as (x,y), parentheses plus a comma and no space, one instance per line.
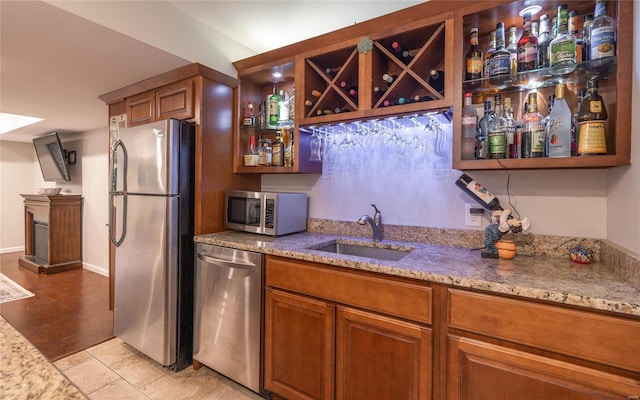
(353,92)
(402,52)
(309,103)
(316,93)
(389,78)
(436,80)
(379,90)
(324,112)
(331,71)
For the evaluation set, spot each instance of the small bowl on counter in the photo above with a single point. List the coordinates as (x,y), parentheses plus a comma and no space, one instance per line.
(49,191)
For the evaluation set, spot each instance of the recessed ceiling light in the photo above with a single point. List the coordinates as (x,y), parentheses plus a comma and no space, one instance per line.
(277,75)
(532,10)
(11,122)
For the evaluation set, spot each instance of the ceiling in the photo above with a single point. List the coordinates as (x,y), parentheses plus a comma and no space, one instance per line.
(57,57)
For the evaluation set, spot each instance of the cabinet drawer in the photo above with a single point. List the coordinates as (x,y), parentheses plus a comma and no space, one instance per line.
(590,336)
(175,101)
(386,295)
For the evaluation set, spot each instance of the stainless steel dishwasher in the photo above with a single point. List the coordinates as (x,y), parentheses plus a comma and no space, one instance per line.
(227,310)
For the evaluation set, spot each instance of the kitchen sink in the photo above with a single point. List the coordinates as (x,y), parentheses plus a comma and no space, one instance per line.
(364,250)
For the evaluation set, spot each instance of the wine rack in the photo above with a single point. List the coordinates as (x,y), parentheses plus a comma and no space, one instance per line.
(611,74)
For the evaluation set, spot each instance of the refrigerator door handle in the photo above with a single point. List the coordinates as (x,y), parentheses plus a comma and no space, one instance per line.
(225,263)
(114,193)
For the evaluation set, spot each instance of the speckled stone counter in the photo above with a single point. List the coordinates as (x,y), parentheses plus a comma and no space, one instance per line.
(26,374)
(553,279)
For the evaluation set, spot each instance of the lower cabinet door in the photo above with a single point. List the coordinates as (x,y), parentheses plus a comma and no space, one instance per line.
(299,346)
(483,371)
(381,358)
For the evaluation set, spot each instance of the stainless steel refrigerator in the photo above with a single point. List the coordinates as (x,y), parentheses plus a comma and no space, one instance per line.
(151,226)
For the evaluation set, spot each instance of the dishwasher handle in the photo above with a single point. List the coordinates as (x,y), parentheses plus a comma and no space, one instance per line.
(226,263)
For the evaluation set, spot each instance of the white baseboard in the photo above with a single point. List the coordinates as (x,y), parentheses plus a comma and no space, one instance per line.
(11,249)
(96,269)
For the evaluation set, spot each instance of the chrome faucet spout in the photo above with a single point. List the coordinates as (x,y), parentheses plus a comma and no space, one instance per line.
(375,222)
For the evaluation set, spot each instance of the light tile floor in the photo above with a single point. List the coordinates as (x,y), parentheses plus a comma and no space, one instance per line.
(114,370)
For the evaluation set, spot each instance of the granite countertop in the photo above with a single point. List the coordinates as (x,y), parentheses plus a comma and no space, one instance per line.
(547,278)
(26,374)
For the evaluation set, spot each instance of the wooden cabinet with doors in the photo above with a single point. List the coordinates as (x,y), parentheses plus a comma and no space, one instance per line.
(331,333)
(503,348)
(206,97)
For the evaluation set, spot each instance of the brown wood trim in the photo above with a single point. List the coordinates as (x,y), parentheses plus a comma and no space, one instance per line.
(184,72)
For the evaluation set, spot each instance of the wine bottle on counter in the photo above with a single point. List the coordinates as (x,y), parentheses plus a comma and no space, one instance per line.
(389,78)
(436,81)
(478,192)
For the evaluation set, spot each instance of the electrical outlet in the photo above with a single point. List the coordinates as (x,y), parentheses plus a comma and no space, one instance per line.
(472,219)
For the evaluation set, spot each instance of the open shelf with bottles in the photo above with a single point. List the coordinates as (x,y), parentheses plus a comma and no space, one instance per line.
(255,86)
(611,73)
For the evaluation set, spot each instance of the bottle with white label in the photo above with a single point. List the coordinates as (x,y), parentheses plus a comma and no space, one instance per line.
(283,113)
(559,126)
(469,128)
(602,36)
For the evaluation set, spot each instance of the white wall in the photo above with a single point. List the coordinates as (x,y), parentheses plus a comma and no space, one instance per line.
(623,208)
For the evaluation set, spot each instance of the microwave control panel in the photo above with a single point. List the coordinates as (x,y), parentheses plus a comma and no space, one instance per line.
(269,211)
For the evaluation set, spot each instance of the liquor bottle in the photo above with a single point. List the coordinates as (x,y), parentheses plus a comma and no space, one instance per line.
(482,145)
(554,27)
(469,128)
(513,49)
(559,128)
(249,117)
(292,104)
(512,148)
(489,52)
(574,123)
(264,152)
(497,131)
(573,29)
(602,36)
(527,46)
(262,115)
(289,150)
(277,150)
(474,57)
(389,78)
(436,80)
(592,137)
(586,31)
(274,106)
(562,49)
(283,112)
(533,133)
(535,28)
(478,192)
(500,61)
(543,42)
(251,158)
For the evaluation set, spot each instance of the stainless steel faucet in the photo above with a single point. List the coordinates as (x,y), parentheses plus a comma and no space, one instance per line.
(375,222)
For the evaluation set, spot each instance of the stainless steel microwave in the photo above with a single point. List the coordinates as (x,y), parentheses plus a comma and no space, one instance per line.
(267,213)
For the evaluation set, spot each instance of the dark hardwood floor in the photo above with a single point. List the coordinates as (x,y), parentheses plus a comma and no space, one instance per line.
(69,312)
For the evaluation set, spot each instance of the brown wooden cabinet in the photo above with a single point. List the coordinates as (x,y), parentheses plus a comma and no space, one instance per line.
(335,337)
(170,101)
(503,348)
(53,233)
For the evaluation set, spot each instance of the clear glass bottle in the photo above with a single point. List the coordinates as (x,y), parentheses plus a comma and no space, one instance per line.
(562,58)
(251,158)
(586,31)
(469,128)
(289,149)
(474,57)
(262,115)
(292,104)
(513,49)
(489,52)
(543,42)
(559,128)
(274,106)
(535,28)
(482,147)
(264,153)
(283,112)
(574,123)
(500,60)
(527,46)
(602,36)
(533,132)
(592,138)
(510,136)
(497,131)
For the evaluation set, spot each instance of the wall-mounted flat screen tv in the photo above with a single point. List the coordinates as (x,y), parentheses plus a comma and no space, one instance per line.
(51,158)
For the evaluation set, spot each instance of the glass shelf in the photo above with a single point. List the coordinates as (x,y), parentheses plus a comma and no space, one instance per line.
(543,77)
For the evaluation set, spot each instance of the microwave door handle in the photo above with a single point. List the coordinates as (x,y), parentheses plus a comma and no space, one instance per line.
(225,263)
